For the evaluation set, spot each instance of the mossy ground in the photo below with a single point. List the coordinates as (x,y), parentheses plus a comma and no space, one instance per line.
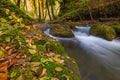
(26,53)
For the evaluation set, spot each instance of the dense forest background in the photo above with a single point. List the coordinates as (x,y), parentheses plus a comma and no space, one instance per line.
(68,9)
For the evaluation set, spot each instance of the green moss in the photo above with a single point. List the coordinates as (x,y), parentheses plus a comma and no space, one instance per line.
(50,66)
(117,28)
(15,72)
(56,47)
(105,32)
(35,57)
(61,31)
(28,75)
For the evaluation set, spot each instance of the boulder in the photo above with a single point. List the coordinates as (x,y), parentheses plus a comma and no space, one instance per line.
(117,28)
(105,32)
(61,31)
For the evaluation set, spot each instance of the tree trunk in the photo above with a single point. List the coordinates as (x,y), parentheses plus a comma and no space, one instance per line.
(52,11)
(39,10)
(48,10)
(18,3)
(90,13)
(35,7)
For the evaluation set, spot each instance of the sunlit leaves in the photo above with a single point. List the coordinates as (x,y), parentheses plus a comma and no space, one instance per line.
(7,11)
(58,69)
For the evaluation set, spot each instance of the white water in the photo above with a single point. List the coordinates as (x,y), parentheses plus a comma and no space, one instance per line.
(105,53)
(108,52)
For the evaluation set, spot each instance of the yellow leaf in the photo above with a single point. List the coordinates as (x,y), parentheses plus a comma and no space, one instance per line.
(32,51)
(10,17)
(44,72)
(58,69)
(58,60)
(67,77)
(7,11)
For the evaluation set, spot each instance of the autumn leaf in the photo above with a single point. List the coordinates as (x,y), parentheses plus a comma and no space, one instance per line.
(67,77)
(58,60)
(10,17)
(58,69)
(44,72)
(3,76)
(10,51)
(54,79)
(3,67)
(7,11)
(32,51)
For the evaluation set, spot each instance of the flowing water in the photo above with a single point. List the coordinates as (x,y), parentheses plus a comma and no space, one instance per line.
(98,59)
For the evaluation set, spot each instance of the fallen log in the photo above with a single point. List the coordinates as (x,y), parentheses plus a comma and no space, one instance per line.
(109,19)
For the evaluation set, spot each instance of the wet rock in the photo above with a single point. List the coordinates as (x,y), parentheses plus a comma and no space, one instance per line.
(61,31)
(105,32)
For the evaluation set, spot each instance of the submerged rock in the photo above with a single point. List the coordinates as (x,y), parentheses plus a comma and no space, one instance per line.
(105,32)
(61,31)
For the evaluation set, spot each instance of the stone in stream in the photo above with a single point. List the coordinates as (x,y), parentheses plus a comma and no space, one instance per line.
(106,32)
(116,26)
(61,31)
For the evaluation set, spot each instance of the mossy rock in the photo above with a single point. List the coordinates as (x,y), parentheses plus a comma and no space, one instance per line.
(117,28)
(105,32)
(61,31)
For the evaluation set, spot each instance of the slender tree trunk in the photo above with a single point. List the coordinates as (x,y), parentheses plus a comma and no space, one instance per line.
(35,7)
(39,10)
(18,3)
(48,10)
(52,11)
(90,13)
(25,5)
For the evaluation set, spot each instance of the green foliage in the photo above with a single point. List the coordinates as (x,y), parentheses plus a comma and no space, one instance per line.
(6,7)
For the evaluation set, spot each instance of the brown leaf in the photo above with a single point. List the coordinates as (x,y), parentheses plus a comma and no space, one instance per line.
(3,69)
(3,76)
(10,51)
(67,77)
(31,41)
(44,72)
(13,62)
(54,79)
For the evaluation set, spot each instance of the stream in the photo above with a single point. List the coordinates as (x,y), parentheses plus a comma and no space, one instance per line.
(97,59)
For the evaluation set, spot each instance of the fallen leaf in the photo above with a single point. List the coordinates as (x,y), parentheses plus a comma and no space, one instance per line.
(3,69)
(54,79)
(67,77)
(3,76)
(58,60)
(32,51)
(44,72)
(10,51)
(58,69)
